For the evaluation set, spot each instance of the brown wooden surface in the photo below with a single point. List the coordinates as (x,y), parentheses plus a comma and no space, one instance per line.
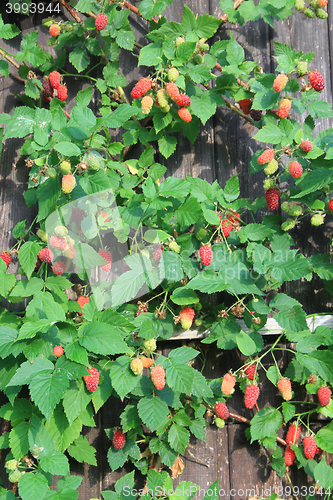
(224,148)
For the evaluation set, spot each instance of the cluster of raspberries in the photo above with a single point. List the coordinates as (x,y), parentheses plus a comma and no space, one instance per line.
(163,96)
(52,83)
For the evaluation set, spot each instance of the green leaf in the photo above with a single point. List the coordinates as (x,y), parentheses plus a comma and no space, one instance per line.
(189,212)
(231,190)
(207,283)
(180,377)
(28,371)
(294,319)
(182,354)
(178,438)
(102,338)
(324,438)
(46,390)
(313,181)
(18,440)
(167,145)
(122,378)
(203,106)
(63,433)
(7,337)
(153,411)
(265,423)
(323,473)
(318,362)
(75,400)
(206,26)
(67,149)
(26,288)
(55,463)
(82,451)
(183,296)
(22,123)
(119,116)
(174,187)
(33,485)
(200,73)
(161,120)
(288,412)
(245,344)
(79,58)
(269,133)
(151,54)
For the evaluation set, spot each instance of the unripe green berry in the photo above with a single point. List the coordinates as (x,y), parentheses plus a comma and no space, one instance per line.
(204,47)
(271,167)
(179,40)
(136,366)
(302,68)
(15,476)
(173,74)
(51,172)
(61,231)
(173,245)
(149,346)
(201,234)
(11,464)
(317,219)
(314,4)
(219,422)
(65,167)
(197,306)
(309,13)
(93,162)
(165,109)
(321,13)
(269,184)
(288,224)
(42,235)
(286,206)
(198,322)
(198,59)
(296,210)
(299,4)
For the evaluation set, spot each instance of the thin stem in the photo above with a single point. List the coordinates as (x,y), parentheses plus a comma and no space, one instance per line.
(14,63)
(291,484)
(71,11)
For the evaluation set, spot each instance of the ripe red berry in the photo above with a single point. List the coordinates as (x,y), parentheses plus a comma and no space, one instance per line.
(226,227)
(310,446)
(58,351)
(295,169)
(54,30)
(284,386)
(183,100)
(157,375)
(68,183)
(293,434)
(173,91)
(250,371)
(6,257)
(251,396)
(118,440)
(306,145)
(55,78)
(316,80)
(283,108)
(234,217)
(272,198)
(186,317)
(58,242)
(100,22)
(318,450)
(280,82)
(245,105)
(157,253)
(228,384)
(92,379)
(184,115)
(58,268)
(141,88)
(69,252)
(105,216)
(108,259)
(62,92)
(289,455)
(322,3)
(330,204)
(266,156)
(324,395)
(81,301)
(206,254)
(45,255)
(146,362)
(221,410)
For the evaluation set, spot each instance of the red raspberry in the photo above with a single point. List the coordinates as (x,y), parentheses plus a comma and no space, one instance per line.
(118,440)
(289,456)
(186,317)
(284,386)
(173,91)
(92,379)
(54,30)
(322,3)
(58,242)
(306,145)
(47,87)
(100,22)
(272,198)
(293,434)
(250,371)
(183,100)
(141,309)
(251,396)
(295,169)
(55,78)
(234,217)
(228,384)
(255,115)
(37,266)
(185,115)
(141,88)
(6,257)
(280,82)
(69,252)
(62,92)
(324,395)
(157,253)
(310,446)
(330,204)
(58,268)
(206,254)
(221,410)
(318,450)
(81,301)
(146,104)
(245,105)
(58,351)
(157,375)
(266,156)
(108,259)
(316,80)
(283,108)
(146,362)
(105,216)
(45,255)
(68,183)
(226,227)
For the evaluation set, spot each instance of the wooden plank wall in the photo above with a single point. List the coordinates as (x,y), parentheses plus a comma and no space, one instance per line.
(224,148)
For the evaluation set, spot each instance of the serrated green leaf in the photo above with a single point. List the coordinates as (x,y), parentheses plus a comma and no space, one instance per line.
(102,338)
(33,485)
(265,423)
(153,411)
(82,451)
(46,390)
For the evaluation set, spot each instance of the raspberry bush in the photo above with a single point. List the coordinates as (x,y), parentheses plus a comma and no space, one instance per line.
(120,257)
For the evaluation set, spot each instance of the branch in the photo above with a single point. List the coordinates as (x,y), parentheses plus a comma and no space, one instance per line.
(131,7)
(71,11)
(248,422)
(224,17)
(14,63)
